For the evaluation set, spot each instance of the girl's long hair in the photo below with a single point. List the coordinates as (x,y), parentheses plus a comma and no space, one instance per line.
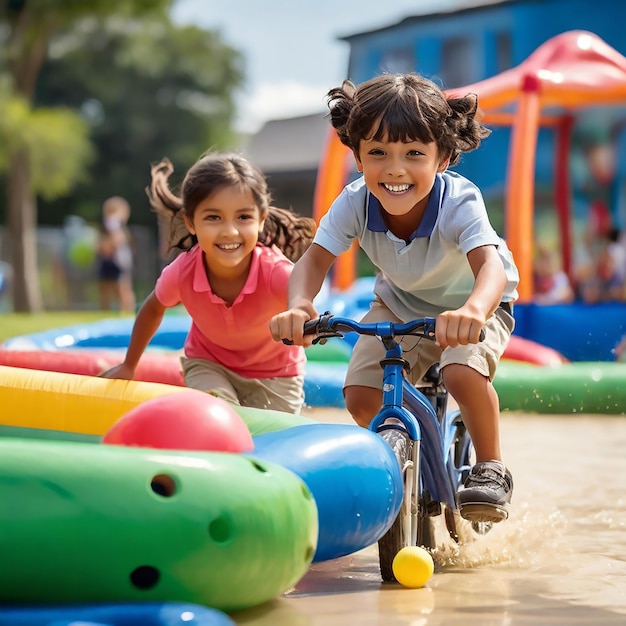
(283,228)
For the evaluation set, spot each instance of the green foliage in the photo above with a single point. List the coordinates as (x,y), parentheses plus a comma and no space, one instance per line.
(69,10)
(56,140)
(61,153)
(148,90)
(12,109)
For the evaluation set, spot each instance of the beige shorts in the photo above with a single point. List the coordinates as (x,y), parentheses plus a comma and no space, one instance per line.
(279,394)
(365,370)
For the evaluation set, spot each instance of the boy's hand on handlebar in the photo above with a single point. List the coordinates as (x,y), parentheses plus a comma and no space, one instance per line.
(289,325)
(459,328)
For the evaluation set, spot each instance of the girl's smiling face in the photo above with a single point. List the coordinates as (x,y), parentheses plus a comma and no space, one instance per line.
(227,224)
(400,175)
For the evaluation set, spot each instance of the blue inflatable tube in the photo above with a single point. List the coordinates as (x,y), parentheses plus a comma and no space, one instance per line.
(148,614)
(323,384)
(110,333)
(353,475)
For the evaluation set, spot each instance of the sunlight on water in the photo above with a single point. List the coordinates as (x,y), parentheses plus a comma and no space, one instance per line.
(578,559)
(560,558)
(521,541)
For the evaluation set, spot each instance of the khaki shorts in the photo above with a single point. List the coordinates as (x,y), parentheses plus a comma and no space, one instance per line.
(365,370)
(279,394)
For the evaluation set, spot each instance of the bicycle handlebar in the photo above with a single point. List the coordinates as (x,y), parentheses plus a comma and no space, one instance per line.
(328,325)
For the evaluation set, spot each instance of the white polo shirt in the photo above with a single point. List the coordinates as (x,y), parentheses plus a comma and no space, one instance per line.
(431,273)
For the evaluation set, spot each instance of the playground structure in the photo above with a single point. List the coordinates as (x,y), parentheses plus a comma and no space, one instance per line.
(321,490)
(531,376)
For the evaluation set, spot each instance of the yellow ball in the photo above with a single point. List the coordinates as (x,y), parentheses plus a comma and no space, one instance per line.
(413,567)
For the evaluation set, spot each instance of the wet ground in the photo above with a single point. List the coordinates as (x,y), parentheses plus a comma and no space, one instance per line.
(559,559)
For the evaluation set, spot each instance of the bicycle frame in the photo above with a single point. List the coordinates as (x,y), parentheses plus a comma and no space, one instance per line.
(401,400)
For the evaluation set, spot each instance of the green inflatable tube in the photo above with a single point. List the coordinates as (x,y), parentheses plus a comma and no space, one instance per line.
(581,387)
(261,421)
(96,523)
(334,350)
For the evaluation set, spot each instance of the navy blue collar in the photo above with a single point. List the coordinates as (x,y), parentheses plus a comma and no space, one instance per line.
(376,222)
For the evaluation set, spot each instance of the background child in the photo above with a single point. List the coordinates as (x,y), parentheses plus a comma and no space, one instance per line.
(115,256)
(232,278)
(551,283)
(428,232)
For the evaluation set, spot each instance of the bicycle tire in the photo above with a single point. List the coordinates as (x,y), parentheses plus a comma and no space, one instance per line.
(396,537)
(388,546)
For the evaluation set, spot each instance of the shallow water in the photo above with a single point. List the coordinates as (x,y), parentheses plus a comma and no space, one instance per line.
(560,558)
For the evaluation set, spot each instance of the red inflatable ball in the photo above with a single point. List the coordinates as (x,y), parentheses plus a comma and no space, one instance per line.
(190,420)
(528,351)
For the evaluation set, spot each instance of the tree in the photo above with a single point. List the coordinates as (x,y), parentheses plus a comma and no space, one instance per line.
(27,29)
(45,151)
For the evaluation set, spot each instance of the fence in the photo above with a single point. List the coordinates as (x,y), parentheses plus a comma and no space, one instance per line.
(66,258)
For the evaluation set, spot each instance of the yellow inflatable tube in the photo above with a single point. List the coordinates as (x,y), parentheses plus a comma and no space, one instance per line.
(87,405)
(70,402)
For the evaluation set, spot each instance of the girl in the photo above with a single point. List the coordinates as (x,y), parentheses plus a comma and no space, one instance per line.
(426,229)
(232,278)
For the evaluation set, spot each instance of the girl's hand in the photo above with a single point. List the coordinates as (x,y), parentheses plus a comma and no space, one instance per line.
(459,327)
(121,371)
(289,325)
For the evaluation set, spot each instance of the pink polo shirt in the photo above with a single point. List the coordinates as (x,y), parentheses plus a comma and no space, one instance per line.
(237,336)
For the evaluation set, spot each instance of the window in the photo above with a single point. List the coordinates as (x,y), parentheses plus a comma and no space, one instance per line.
(458,62)
(504,52)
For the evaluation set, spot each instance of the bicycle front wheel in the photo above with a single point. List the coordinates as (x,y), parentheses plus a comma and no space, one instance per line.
(412,526)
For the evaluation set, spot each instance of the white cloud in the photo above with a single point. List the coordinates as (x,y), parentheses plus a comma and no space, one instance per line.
(279,100)
(292,49)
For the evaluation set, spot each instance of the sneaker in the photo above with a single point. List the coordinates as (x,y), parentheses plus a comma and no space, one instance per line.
(486,494)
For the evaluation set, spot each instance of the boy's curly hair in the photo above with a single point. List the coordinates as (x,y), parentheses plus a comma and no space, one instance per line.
(406,107)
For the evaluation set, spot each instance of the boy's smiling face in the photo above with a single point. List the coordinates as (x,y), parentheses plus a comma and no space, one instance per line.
(400,175)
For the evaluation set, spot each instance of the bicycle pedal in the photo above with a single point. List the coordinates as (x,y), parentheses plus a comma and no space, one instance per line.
(483,512)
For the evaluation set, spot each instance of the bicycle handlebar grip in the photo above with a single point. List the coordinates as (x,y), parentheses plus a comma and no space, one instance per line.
(310,328)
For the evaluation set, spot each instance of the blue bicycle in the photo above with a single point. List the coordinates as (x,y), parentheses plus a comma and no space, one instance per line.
(432,445)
